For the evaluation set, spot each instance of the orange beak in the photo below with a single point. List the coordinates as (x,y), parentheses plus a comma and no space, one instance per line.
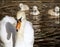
(18,25)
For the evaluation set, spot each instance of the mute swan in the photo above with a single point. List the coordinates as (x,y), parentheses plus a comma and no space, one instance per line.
(25,32)
(8,31)
(35,11)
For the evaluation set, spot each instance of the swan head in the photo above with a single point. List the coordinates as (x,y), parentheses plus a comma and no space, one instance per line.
(21,17)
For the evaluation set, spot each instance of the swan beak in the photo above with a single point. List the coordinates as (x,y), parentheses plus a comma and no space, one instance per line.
(18,25)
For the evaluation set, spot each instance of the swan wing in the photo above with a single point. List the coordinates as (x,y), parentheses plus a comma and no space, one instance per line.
(29,34)
(11,29)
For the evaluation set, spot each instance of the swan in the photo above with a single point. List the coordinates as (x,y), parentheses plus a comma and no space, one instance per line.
(23,7)
(25,31)
(35,11)
(54,13)
(8,31)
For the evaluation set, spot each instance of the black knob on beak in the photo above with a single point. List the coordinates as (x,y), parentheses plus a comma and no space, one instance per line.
(17,30)
(20,19)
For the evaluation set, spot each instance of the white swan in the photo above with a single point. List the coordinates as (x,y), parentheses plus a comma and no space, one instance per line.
(23,7)
(54,14)
(25,34)
(35,11)
(7,27)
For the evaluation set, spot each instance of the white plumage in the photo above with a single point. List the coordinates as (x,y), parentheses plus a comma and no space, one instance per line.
(35,11)
(54,14)
(3,33)
(57,9)
(23,7)
(25,34)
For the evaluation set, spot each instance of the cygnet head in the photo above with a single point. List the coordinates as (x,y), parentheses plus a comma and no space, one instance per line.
(21,5)
(56,9)
(35,7)
(9,19)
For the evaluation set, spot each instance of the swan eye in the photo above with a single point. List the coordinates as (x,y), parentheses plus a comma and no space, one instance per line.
(20,19)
